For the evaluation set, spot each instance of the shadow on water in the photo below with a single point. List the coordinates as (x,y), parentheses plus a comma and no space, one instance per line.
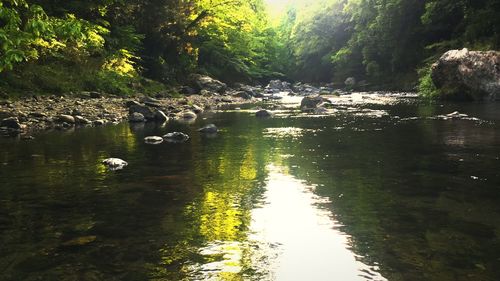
(358,195)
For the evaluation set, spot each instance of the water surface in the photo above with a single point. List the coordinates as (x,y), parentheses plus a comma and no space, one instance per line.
(384,188)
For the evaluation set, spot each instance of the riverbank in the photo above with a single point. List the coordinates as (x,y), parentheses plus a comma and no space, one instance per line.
(26,116)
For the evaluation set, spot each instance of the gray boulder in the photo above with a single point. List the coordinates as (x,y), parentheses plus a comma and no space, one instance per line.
(468,75)
(136,118)
(350,82)
(142,109)
(202,82)
(312,102)
(278,85)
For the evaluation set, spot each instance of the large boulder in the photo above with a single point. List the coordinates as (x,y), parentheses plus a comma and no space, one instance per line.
(147,112)
(202,82)
(469,75)
(350,82)
(279,85)
(312,102)
(136,117)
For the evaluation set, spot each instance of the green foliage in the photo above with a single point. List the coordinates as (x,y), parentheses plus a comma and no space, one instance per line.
(381,41)
(426,86)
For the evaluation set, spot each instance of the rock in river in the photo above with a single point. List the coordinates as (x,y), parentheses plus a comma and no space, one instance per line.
(160,116)
(188,115)
(466,75)
(263,113)
(144,110)
(136,117)
(115,163)
(176,137)
(153,140)
(311,103)
(209,129)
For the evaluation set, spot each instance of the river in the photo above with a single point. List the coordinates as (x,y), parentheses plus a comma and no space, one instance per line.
(386,187)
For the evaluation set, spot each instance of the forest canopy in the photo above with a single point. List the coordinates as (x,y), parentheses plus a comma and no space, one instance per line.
(112,45)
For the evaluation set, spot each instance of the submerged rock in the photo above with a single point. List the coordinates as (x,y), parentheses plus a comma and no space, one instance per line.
(115,163)
(80,241)
(176,137)
(153,140)
(209,129)
(468,75)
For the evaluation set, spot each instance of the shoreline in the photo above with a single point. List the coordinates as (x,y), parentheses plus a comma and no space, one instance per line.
(30,115)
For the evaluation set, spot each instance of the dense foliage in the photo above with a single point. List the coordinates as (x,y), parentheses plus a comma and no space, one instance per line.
(108,42)
(384,41)
(110,45)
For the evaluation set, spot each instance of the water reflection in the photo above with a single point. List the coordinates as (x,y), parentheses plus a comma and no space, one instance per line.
(308,245)
(367,194)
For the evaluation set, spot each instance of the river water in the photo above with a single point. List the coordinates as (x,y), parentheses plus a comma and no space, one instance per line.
(386,187)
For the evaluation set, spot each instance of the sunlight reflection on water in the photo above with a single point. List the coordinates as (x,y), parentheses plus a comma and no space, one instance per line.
(309,246)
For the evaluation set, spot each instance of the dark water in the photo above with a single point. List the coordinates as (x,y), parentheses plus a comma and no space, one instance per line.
(360,195)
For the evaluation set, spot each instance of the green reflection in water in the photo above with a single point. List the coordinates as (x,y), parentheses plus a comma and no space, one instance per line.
(417,199)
